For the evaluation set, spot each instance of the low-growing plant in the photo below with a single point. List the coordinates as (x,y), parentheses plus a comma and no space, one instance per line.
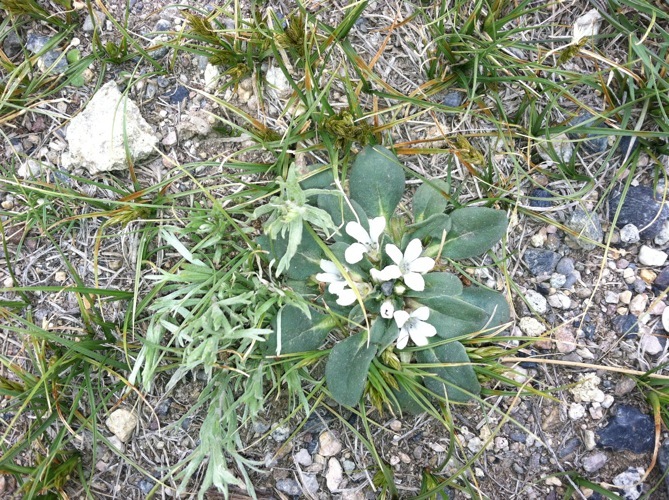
(376,278)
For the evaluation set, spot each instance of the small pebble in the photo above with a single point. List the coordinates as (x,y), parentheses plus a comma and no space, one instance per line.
(536,301)
(334,474)
(559,301)
(565,266)
(638,304)
(594,462)
(651,257)
(288,486)
(625,297)
(303,458)
(629,234)
(329,445)
(531,326)
(576,411)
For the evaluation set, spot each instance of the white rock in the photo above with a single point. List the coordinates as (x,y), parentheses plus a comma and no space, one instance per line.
(98,136)
(586,26)
(629,234)
(638,304)
(29,169)
(531,326)
(328,444)
(587,390)
(589,440)
(559,301)
(193,124)
(536,301)
(651,257)
(211,78)
(628,276)
(611,297)
(303,458)
(537,240)
(122,423)
(475,444)
(608,401)
(625,297)
(650,344)
(278,81)
(576,411)
(334,474)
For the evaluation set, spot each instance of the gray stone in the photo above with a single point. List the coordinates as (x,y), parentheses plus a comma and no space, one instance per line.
(594,462)
(663,461)
(650,344)
(641,207)
(558,280)
(587,227)
(629,234)
(626,325)
(310,482)
(288,486)
(99,135)
(303,458)
(12,44)
(589,142)
(569,447)
(630,482)
(281,433)
(53,62)
(453,98)
(35,43)
(662,237)
(88,22)
(162,25)
(571,280)
(565,266)
(541,262)
(536,301)
(540,198)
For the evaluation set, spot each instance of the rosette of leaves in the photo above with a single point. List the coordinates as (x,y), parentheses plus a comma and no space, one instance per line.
(366,335)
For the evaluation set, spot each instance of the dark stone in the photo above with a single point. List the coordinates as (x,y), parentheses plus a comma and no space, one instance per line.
(589,331)
(541,262)
(179,94)
(628,143)
(162,81)
(639,285)
(12,44)
(311,446)
(540,198)
(590,143)
(54,60)
(640,207)
(628,429)
(35,43)
(565,266)
(518,437)
(544,289)
(663,461)
(571,280)
(288,486)
(626,325)
(661,283)
(164,407)
(146,485)
(162,25)
(454,98)
(569,447)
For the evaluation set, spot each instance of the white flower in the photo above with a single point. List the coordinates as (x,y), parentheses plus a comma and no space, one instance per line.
(337,284)
(413,325)
(409,266)
(387,309)
(367,242)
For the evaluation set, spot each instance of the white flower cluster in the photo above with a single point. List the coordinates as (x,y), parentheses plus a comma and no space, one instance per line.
(408,266)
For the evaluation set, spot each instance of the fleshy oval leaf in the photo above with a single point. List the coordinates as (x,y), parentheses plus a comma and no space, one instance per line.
(474,230)
(377,181)
(298,332)
(452,381)
(347,367)
(430,199)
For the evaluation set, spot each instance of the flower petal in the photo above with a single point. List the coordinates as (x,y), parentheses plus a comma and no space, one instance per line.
(329,267)
(394,253)
(422,265)
(346,297)
(413,250)
(376,227)
(401,317)
(337,287)
(386,274)
(403,339)
(354,253)
(414,281)
(422,313)
(420,331)
(355,230)
(387,309)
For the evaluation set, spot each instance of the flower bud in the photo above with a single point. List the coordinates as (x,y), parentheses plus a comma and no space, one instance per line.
(387,309)
(400,289)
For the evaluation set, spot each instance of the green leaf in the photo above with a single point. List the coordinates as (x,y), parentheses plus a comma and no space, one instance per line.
(297,331)
(492,302)
(442,294)
(449,327)
(430,232)
(340,211)
(462,376)
(347,367)
(430,200)
(383,333)
(377,181)
(406,402)
(320,180)
(305,262)
(474,231)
